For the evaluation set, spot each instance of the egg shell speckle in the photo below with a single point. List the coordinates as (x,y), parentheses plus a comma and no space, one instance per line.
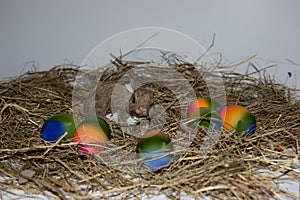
(153,146)
(57,125)
(239,119)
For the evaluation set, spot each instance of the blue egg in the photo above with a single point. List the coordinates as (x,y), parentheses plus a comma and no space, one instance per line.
(155,148)
(58,125)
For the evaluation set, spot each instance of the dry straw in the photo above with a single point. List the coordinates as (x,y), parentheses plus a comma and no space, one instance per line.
(235,168)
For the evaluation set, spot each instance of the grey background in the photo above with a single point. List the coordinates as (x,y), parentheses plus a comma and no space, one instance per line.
(46,33)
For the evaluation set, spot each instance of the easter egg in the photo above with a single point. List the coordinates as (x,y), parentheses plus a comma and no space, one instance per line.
(58,125)
(207,109)
(238,119)
(154,147)
(205,102)
(95,131)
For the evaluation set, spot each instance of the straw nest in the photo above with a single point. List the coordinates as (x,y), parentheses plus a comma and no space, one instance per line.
(234,168)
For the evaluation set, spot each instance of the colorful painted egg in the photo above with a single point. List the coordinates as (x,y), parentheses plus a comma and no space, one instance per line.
(155,148)
(238,119)
(205,102)
(207,108)
(93,130)
(58,125)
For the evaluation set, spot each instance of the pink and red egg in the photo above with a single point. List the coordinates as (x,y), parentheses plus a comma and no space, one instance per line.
(94,131)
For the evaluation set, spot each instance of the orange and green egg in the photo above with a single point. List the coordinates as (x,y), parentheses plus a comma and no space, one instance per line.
(206,109)
(234,118)
(238,119)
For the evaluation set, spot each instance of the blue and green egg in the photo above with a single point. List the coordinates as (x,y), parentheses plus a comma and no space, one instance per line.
(58,125)
(155,147)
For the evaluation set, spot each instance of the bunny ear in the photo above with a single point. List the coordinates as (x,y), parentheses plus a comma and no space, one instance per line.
(129,87)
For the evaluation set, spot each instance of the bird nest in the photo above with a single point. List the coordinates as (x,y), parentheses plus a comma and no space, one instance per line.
(234,167)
